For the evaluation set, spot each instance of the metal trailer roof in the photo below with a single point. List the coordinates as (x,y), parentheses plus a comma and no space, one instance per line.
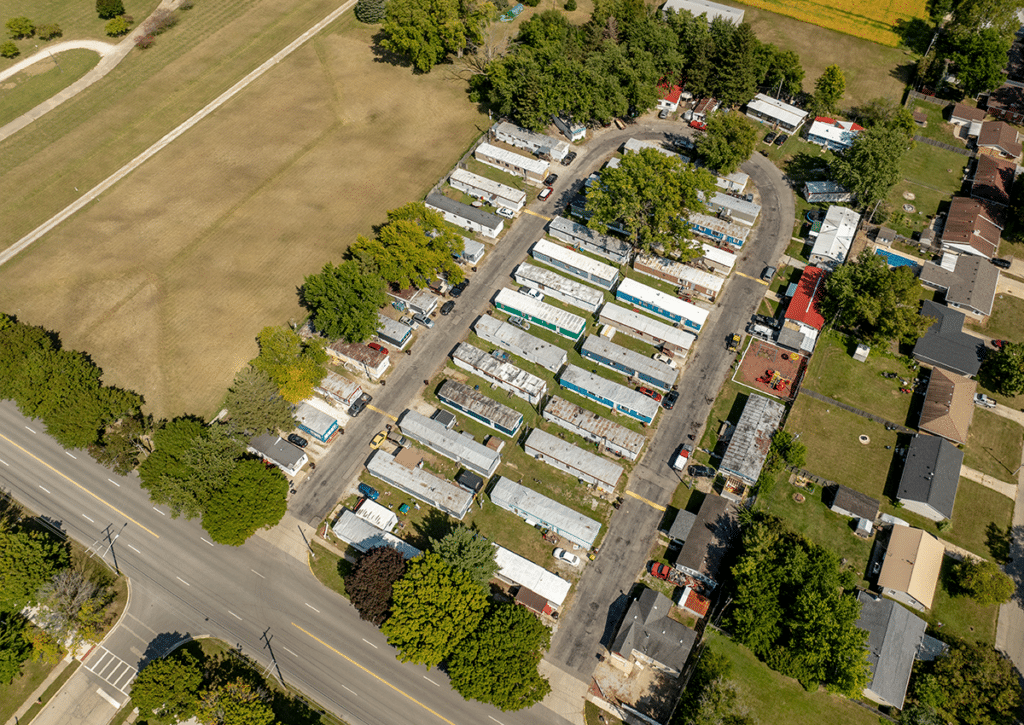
(618,250)
(627,318)
(363,536)
(752,437)
(474,401)
(630,359)
(636,145)
(596,425)
(315,420)
(488,186)
(837,233)
(448,443)
(719,256)
(510,495)
(620,394)
(555,147)
(591,266)
(527,163)
(680,271)
(393,329)
(380,516)
(518,342)
(478,216)
(434,490)
(774,108)
(340,387)
(588,464)
(518,570)
(735,204)
(712,10)
(736,181)
(492,367)
(684,309)
(277,450)
(540,310)
(722,226)
(562,288)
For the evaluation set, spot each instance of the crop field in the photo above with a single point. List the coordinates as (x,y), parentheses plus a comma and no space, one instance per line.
(167,279)
(872,20)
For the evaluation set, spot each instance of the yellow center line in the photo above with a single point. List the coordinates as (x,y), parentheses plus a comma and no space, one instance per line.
(378,410)
(533,213)
(80,486)
(761,281)
(650,503)
(372,674)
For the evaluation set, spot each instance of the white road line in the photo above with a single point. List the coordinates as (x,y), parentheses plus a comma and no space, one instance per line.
(352,691)
(68,454)
(108,698)
(430,681)
(159,511)
(30,430)
(45,489)
(182,581)
(497,721)
(204,539)
(134,549)
(370,643)
(88,519)
(257,574)
(291,653)
(312,607)
(114,482)
(4,462)
(234,615)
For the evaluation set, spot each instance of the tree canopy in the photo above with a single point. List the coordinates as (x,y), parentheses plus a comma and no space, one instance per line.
(873,163)
(344,301)
(979,63)
(28,559)
(727,142)
(255,404)
(169,687)
(434,607)
(497,663)
(710,697)
(972,684)
(235,703)
(829,90)
(983,581)
(170,473)
(14,648)
(873,301)
(428,31)
(370,11)
(1003,370)
(463,549)
(294,364)
(254,497)
(651,195)
(370,584)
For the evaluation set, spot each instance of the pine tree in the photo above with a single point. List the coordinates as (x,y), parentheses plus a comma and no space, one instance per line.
(370,11)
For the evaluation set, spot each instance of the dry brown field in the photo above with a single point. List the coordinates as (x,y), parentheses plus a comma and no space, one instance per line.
(168,277)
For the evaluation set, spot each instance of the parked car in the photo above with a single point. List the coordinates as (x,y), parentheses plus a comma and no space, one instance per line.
(569,158)
(698,124)
(505,212)
(459,288)
(447,307)
(360,405)
(652,394)
(550,181)
(378,347)
(519,322)
(659,571)
(669,401)
(782,138)
(770,137)
(768,273)
(369,491)
(663,358)
(663,113)
(545,193)
(1004,263)
(296,440)
(701,471)
(423,320)
(984,401)
(563,555)
(531,292)
(378,439)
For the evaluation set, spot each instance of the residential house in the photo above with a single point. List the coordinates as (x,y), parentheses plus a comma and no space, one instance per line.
(819,192)
(970,228)
(584,465)
(442,494)
(320,424)
(804,320)
(689,279)
(993,179)
(775,113)
(480,407)
(279,452)
(570,128)
(894,637)
(393,332)
(516,341)
(854,504)
(423,301)
(931,475)
(833,241)
(359,358)
(999,138)
(536,509)
(578,265)
(472,251)
(969,282)
(969,117)
(704,108)
(670,101)
(910,569)
(832,133)
(339,390)
(466,216)
(673,340)
(459,447)
(710,10)
(518,570)
(1007,103)
(708,540)
(602,390)
(689,315)
(945,344)
(608,435)
(650,637)
(585,239)
(948,405)
(681,526)
(500,373)
(733,183)
(533,170)
(751,439)
(362,535)
(719,229)
(718,260)
(536,143)
(486,190)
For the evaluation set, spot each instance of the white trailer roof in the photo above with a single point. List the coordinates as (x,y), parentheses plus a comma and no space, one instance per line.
(540,310)
(488,186)
(684,309)
(528,163)
(616,314)
(523,344)
(534,577)
(719,256)
(574,457)
(774,108)
(574,259)
(568,287)
(507,493)
(630,358)
(605,388)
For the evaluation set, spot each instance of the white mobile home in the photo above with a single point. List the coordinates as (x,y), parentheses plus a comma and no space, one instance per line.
(535,143)
(735,208)
(608,435)
(775,113)
(565,290)
(526,167)
(438,492)
(629,362)
(502,374)
(575,461)
(664,305)
(547,316)
(718,260)
(642,327)
(466,216)
(574,263)
(516,341)
(571,129)
(458,447)
(488,191)
(537,509)
(586,239)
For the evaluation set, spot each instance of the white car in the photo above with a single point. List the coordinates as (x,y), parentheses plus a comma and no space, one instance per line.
(531,292)
(505,212)
(563,555)
(984,401)
(662,358)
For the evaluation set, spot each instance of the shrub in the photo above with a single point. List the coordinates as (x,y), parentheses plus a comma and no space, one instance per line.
(370,11)
(570,5)
(145,41)
(186,5)
(118,26)
(9,49)
(161,22)
(48,32)
(21,27)
(108,9)
(531,3)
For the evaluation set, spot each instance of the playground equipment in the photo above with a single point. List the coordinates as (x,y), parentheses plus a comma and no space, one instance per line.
(774,380)
(511,14)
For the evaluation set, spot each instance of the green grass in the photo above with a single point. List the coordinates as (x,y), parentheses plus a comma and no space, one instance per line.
(1006,321)
(330,568)
(48,693)
(976,507)
(834,373)
(766,693)
(960,616)
(938,128)
(26,90)
(14,693)
(932,175)
(798,250)
(728,406)
(993,445)
(591,712)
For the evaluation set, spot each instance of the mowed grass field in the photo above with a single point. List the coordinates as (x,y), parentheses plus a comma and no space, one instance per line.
(872,20)
(167,279)
(25,90)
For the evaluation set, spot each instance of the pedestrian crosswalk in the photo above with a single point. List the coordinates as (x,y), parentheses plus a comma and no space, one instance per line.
(111,669)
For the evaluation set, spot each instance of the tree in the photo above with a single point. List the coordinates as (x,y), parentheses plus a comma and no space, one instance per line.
(255,404)
(736,68)
(73,608)
(49,32)
(14,649)
(28,559)
(295,365)
(972,684)
(344,301)
(118,26)
(20,28)
(169,687)
(872,165)
(253,498)
(371,11)
(463,549)
(108,9)
(728,141)
(424,31)
(884,112)
(983,581)
(371,581)
(710,697)
(9,50)
(980,63)
(123,443)
(783,73)
(829,90)
(497,663)
(973,17)
(434,607)
(235,703)
(651,195)
(874,301)
(1003,369)
(169,474)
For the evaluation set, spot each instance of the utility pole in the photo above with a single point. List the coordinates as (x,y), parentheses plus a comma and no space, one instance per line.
(273,659)
(111,545)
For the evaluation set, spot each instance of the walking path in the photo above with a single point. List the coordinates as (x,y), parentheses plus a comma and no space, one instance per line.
(1007,489)
(90,195)
(858,411)
(792,262)
(100,46)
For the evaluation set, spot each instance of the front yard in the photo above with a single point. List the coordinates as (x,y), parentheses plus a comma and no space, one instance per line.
(1006,321)
(993,445)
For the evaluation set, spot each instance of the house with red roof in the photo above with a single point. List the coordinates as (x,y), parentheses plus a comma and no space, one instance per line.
(670,101)
(833,134)
(804,319)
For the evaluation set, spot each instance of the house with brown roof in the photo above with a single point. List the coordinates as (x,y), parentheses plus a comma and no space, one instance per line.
(948,406)
(359,358)
(964,115)
(998,138)
(910,569)
(1007,103)
(968,281)
(993,179)
(970,229)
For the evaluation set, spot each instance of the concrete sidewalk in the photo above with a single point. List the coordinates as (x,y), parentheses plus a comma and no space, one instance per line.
(35,696)
(567,692)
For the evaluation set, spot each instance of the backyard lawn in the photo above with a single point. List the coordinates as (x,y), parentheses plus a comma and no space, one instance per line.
(938,127)
(932,175)
(1006,321)
(958,615)
(993,445)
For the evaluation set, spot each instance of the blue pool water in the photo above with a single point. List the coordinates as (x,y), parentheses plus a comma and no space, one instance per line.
(896,260)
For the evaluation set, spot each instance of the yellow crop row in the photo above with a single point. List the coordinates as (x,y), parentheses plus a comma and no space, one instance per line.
(869,19)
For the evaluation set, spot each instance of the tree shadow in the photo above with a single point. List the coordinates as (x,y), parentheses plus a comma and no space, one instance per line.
(915,34)
(161,646)
(383,55)
(905,73)
(435,525)
(999,542)
(805,166)
(660,698)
